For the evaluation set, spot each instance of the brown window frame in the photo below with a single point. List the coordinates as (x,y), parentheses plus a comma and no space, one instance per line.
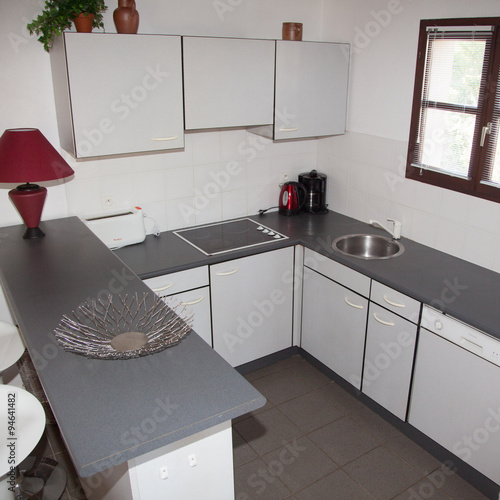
(472,185)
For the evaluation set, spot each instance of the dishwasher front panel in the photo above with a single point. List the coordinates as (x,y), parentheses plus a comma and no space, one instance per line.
(455,401)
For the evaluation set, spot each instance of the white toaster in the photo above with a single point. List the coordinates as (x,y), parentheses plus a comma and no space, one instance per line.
(118,229)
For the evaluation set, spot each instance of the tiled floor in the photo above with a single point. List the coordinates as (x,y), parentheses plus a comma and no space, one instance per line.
(313,440)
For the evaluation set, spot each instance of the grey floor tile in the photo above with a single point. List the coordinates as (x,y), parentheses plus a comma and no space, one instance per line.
(422,490)
(412,453)
(254,480)
(336,486)
(242,452)
(299,463)
(276,367)
(266,407)
(344,401)
(308,373)
(267,431)
(382,473)
(310,411)
(343,440)
(379,428)
(281,386)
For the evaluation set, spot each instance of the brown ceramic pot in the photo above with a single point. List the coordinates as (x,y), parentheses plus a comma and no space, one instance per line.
(83,23)
(292,31)
(126,17)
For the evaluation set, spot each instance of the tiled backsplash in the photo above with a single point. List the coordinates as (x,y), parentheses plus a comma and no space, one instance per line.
(366,181)
(219,175)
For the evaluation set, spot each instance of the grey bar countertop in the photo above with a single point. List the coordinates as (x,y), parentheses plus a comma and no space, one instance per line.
(109,411)
(459,288)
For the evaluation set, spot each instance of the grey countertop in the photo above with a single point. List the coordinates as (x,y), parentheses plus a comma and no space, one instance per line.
(109,411)
(464,290)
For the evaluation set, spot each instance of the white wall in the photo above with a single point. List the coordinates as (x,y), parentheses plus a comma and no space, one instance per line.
(176,188)
(366,167)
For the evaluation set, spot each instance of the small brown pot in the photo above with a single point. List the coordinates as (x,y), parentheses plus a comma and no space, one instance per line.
(126,17)
(292,31)
(83,23)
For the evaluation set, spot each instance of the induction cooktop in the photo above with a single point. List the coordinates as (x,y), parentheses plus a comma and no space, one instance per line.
(221,237)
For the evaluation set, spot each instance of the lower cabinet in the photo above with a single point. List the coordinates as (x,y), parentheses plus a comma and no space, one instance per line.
(190,289)
(252,305)
(333,325)
(390,347)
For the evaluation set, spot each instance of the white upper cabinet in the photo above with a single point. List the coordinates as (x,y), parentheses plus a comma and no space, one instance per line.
(118,94)
(228,82)
(311,90)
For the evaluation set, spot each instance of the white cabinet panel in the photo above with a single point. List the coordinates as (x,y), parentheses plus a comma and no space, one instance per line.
(124,93)
(168,284)
(333,325)
(311,89)
(252,305)
(395,301)
(390,347)
(228,82)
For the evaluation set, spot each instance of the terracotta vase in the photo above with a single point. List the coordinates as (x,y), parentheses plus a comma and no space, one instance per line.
(126,17)
(83,23)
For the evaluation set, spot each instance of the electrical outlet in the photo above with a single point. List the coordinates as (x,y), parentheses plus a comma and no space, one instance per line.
(108,201)
(284,177)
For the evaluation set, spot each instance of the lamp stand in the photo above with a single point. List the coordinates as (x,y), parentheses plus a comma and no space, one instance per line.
(29,200)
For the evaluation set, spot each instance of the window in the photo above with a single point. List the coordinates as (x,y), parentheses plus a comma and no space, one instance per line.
(454,133)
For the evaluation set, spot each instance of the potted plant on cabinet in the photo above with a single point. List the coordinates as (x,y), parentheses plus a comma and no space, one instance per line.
(58,15)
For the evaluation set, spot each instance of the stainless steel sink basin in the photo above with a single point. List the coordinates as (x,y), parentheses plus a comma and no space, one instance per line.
(368,246)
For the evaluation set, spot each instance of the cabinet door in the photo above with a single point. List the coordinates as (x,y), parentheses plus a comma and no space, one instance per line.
(252,305)
(228,82)
(311,89)
(199,302)
(125,93)
(390,346)
(333,325)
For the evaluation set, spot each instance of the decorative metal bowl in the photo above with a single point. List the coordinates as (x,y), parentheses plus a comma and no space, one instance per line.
(124,327)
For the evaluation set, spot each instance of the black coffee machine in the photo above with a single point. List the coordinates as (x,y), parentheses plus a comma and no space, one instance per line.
(315,184)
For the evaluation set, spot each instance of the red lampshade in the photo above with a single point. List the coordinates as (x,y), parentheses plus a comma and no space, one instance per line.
(27,157)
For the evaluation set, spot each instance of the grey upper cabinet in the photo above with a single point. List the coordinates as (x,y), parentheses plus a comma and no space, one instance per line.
(228,82)
(311,90)
(118,94)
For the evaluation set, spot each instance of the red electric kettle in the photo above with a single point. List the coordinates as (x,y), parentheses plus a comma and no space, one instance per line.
(292,198)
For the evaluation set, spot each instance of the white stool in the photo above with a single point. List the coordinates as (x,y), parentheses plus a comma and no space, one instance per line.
(11,346)
(22,422)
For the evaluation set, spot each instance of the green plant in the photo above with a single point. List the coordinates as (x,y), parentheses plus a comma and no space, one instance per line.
(57,16)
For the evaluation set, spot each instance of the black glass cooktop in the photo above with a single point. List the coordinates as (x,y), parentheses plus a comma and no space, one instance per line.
(221,237)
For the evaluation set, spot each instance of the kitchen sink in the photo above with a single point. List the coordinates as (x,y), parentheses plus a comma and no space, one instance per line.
(368,246)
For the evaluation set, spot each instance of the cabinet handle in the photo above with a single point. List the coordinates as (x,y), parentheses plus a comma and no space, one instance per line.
(192,302)
(386,323)
(391,303)
(356,306)
(165,138)
(288,129)
(156,290)
(228,273)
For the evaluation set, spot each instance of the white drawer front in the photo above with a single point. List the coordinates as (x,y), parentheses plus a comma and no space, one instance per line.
(169,284)
(395,301)
(337,272)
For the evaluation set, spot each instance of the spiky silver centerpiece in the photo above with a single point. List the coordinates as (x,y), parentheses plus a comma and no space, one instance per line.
(124,327)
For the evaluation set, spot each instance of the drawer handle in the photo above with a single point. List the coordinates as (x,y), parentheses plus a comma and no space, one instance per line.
(289,129)
(192,302)
(386,323)
(165,138)
(394,304)
(356,306)
(228,273)
(166,287)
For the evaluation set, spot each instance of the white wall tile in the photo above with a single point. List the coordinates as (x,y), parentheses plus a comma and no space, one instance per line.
(359,175)
(208,208)
(402,190)
(84,197)
(423,228)
(404,215)
(206,147)
(233,145)
(234,204)
(149,187)
(455,206)
(450,237)
(259,172)
(121,188)
(259,198)
(356,205)
(427,198)
(179,183)
(181,213)
(484,215)
(479,247)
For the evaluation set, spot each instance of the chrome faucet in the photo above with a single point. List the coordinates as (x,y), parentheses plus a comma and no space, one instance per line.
(396,233)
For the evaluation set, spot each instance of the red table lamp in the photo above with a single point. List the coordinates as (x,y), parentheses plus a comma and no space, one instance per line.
(27,156)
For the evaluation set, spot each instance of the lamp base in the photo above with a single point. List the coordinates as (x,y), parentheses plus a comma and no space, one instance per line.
(29,200)
(33,232)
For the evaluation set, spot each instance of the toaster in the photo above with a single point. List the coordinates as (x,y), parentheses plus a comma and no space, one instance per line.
(118,229)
